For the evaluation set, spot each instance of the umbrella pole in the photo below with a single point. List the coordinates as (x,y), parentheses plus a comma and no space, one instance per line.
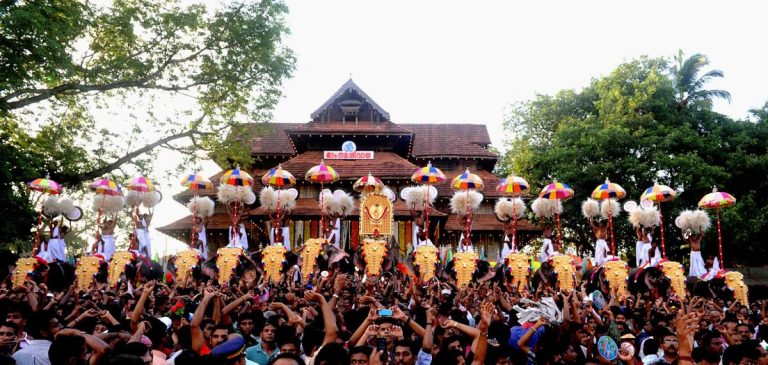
(514,226)
(234,221)
(322,212)
(37,233)
(661,226)
(194,217)
(426,212)
(466,225)
(720,239)
(610,224)
(559,230)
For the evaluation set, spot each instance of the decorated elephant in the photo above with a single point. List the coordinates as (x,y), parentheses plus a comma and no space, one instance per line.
(649,280)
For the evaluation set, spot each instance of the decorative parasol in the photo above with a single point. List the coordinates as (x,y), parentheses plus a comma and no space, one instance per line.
(513,186)
(322,174)
(368,184)
(141,184)
(278,178)
(557,191)
(195,182)
(659,194)
(427,175)
(44,186)
(467,181)
(104,187)
(716,200)
(608,191)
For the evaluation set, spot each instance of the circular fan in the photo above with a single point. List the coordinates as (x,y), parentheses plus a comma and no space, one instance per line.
(630,205)
(645,203)
(75,214)
(250,198)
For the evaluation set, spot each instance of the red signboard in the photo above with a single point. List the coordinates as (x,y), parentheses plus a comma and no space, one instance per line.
(341,155)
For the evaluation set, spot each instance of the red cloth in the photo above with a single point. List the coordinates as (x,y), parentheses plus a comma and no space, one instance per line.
(314,228)
(355,235)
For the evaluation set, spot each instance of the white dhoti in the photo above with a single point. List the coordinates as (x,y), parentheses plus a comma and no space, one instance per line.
(601,252)
(45,251)
(145,245)
(547,250)
(461,247)
(697,268)
(286,237)
(506,249)
(204,239)
(107,246)
(641,255)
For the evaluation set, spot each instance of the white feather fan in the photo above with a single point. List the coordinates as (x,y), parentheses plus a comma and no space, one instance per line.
(288,199)
(610,207)
(51,206)
(507,208)
(590,208)
(650,217)
(693,221)
(132,198)
(113,204)
(65,205)
(205,206)
(267,198)
(546,208)
(151,199)
(346,203)
(459,201)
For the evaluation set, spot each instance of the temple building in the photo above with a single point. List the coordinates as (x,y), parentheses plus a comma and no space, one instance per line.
(356,136)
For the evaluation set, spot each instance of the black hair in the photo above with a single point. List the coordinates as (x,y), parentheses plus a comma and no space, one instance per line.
(65,348)
(39,325)
(286,355)
(365,350)
(449,357)
(734,354)
(12,325)
(125,360)
(289,339)
(332,354)
(412,346)
(134,348)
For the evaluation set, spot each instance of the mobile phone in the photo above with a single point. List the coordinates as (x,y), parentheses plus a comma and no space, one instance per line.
(381,344)
(385,313)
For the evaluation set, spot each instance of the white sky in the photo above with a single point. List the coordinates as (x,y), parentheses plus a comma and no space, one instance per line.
(451,61)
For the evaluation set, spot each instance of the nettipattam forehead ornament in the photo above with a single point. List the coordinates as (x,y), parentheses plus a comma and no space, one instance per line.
(566,272)
(374,252)
(312,249)
(24,266)
(185,261)
(272,257)
(676,274)
(519,265)
(376,214)
(617,272)
(117,265)
(87,268)
(425,257)
(227,259)
(465,264)
(735,281)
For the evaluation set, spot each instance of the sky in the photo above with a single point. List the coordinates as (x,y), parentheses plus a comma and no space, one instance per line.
(466,62)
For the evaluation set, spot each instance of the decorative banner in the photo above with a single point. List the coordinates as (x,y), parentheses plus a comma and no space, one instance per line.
(185,262)
(272,258)
(465,264)
(342,155)
(374,252)
(607,348)
(227,259)
(520,267)
(566,272)
(376,215)
(87,268)
(312,249)
(24,266)
(735,281)
(425,257)
(676,274)
(617,272)
(117,265)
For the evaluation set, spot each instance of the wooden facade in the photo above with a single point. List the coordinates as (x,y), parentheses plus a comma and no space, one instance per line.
(399,149)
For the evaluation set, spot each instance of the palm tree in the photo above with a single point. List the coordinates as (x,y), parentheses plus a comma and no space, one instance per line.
(689,86)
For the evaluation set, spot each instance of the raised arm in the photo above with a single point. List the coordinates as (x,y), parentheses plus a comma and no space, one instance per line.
(480,344)
(139,308)
(329,320)
(197,318)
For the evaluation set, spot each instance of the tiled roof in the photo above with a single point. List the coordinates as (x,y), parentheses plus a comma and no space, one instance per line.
(349,85)
(384,165)
(274,140)
(486,222)
(365,127)
(450,140)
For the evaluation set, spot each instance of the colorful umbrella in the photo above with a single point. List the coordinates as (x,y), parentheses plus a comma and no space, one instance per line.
(322,174)
(716,200)
(106,187)
(141,184)
(45,185)
(278,178)
(659,194)
(236,177)
(557,191)
(428,175)
(513,186)
(367,184)
(467,181)
(607,191)
(196,182)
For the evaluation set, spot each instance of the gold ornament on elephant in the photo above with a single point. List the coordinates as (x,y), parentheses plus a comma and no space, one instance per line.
(616,272)
(735,281)
(185,261)
(272,258)
(519,266)
(24,266)
(87,267)
(312,248)
(376,213)
(117,265)
(566,272)
(374,252)
(676,274)
(465,264)
(426,257)
(227,260)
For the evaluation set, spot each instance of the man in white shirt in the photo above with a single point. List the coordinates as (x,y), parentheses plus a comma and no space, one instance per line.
(42,328)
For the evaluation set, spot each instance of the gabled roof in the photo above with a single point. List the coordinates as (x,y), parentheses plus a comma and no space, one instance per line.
(274,140)
(336,127)
(385,165)
(350,85)
(450,140)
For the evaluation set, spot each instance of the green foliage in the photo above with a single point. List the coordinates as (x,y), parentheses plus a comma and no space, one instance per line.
(627,126)
(95,89)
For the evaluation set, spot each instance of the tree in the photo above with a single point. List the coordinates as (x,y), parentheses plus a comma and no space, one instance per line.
(626,126)
(689,86)
(88,90)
